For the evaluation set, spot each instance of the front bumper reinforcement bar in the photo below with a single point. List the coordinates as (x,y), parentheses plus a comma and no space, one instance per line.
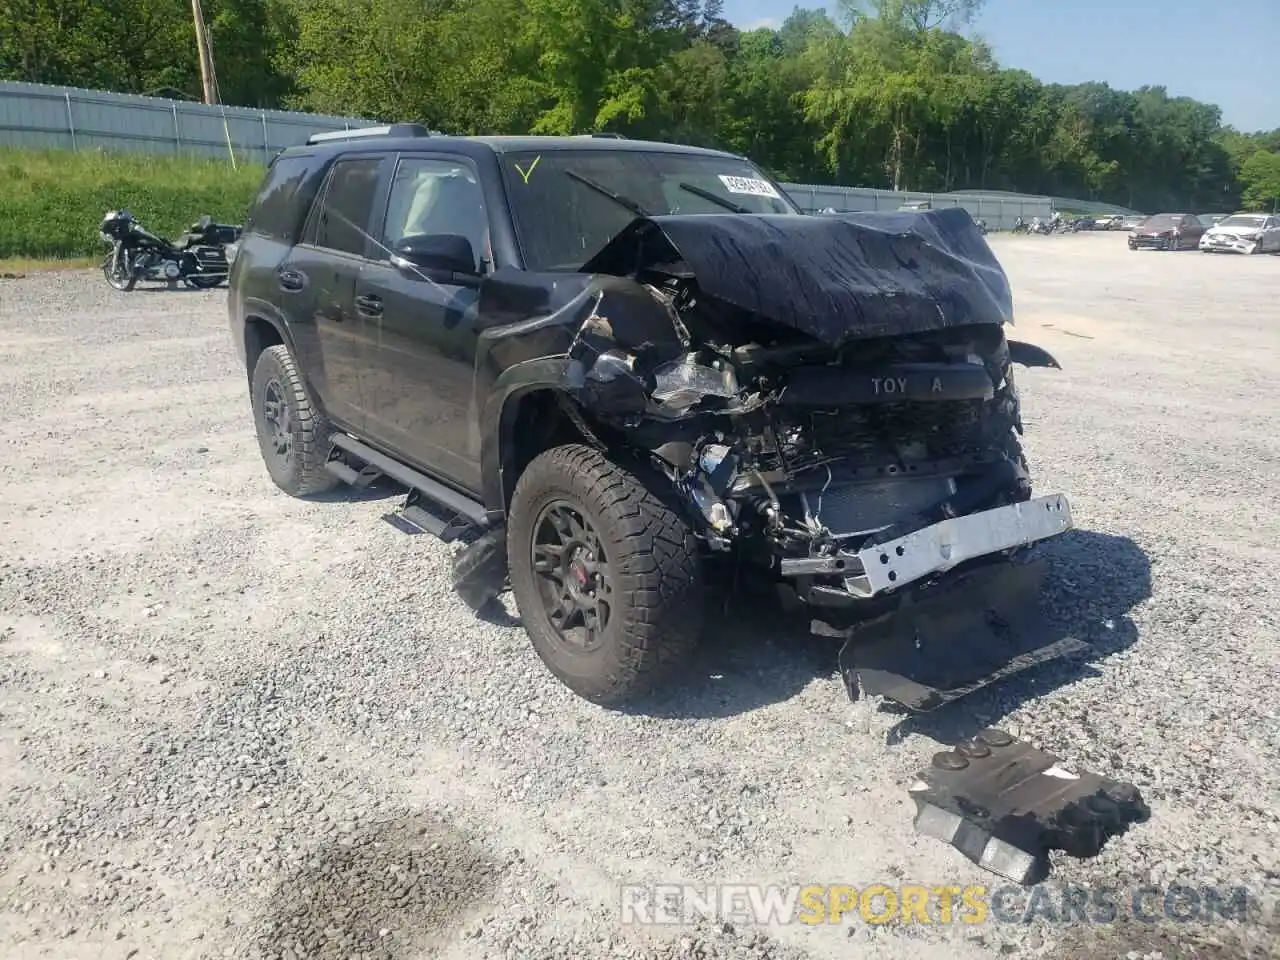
(941,546)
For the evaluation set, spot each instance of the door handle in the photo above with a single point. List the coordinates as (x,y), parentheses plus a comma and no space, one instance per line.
(369,305)
(291,281)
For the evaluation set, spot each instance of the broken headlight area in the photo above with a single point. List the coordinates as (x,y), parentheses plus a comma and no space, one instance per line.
(802,460)
(681,384)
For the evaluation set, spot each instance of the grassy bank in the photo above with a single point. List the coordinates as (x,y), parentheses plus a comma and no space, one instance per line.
(51,202)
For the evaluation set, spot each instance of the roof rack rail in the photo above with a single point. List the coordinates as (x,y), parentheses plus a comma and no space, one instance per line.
(390,130)
(599,136)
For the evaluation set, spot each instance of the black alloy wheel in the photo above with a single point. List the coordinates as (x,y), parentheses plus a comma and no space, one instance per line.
(574,578)
(278,420)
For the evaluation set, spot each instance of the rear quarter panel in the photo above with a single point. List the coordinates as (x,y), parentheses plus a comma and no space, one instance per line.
(253,293)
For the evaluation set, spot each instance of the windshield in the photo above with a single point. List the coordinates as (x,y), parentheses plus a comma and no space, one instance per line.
(1242,221)
(567,204)
(1161,221)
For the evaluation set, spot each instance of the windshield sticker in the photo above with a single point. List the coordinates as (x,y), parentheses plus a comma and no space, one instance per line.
(751,186)
(526,174)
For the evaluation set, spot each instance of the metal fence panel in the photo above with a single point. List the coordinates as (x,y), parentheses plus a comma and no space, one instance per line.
(37,115)
(1059,203)
(999,212)
(41,116)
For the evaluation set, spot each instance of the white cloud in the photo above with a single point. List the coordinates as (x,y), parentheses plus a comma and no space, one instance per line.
(770,23)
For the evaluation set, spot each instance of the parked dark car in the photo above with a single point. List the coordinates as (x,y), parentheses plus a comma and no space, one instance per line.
(1167,231)
(603,365)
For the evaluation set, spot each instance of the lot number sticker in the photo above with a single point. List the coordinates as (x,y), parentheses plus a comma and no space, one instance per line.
(751,186)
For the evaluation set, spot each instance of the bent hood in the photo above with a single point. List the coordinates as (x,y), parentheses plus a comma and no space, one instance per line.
(1239,232)
(835,278)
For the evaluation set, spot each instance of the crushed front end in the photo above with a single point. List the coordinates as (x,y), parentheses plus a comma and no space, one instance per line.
(868,458)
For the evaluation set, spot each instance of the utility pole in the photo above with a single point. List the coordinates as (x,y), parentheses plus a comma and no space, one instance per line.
(205,54)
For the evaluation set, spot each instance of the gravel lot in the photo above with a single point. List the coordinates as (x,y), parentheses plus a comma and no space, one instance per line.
(236,724)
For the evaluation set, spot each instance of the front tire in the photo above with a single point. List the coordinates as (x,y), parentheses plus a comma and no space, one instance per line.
(293,437)
(606,575)
(119,276)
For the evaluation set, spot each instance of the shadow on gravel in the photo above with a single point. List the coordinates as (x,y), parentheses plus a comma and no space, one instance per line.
(1094,580)
(383,892)
(381,489)
(1171,940)
(753,654)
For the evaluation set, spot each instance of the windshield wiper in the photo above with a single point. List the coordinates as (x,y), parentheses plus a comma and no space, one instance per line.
(708,195)
(617,198)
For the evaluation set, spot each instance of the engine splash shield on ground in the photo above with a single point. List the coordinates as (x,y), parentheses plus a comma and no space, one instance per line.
(1005,805)
(972,630)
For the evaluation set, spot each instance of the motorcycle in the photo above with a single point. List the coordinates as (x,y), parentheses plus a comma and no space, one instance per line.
(1020,226)
(198,258)
(982,226)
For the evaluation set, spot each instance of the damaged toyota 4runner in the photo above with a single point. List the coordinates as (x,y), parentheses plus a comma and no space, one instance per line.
(602,364)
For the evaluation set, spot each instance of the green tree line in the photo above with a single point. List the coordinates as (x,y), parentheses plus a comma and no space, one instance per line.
(888,94)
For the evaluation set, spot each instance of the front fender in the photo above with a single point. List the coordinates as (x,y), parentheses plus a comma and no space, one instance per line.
(498,419)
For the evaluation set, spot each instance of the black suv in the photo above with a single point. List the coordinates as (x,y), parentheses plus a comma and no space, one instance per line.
(600,363)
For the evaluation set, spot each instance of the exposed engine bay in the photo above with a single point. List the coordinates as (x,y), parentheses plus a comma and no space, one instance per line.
(833,401)
(801,453)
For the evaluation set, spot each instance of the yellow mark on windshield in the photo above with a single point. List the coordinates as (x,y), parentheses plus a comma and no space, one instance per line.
(526,174)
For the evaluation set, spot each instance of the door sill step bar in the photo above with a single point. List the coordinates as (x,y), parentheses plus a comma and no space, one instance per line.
(430,506)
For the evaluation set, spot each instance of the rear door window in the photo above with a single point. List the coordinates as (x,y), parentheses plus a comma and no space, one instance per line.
(278,208)
(341,217)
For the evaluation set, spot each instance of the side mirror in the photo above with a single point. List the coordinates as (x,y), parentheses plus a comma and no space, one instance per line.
(446,258)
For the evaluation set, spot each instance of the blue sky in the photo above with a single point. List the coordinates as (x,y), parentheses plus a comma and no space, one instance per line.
(1224,53)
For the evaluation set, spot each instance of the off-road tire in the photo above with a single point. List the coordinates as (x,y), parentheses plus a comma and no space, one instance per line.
(302,473)
(653,560)
(480,569)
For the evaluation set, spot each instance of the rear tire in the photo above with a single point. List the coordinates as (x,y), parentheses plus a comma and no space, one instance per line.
(627,555)
(293,437)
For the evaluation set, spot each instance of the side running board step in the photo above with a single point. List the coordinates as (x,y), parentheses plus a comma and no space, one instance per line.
(349,475)
(431,489)
(420,515)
